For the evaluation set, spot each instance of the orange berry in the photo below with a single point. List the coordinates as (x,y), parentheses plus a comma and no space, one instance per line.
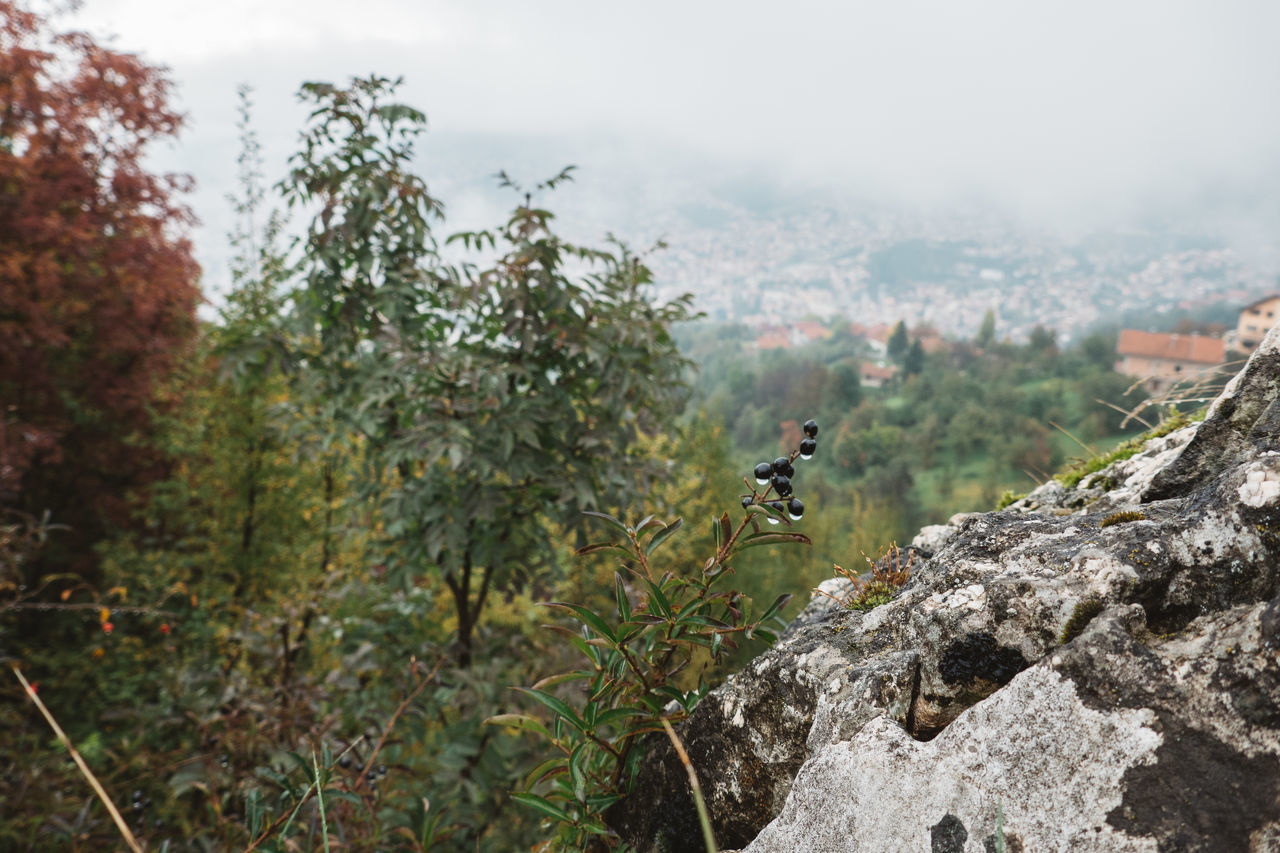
(107,627)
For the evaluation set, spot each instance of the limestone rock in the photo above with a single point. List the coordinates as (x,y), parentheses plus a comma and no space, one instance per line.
(1097,667)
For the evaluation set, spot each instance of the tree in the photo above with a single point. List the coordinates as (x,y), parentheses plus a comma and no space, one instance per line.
(845,390)
(1043,341)
(913,361)
(491,401)
(987,331)
(898,342)
(97,281)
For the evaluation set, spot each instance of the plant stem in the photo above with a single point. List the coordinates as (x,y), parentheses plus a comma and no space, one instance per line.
(80,763)
(704,819)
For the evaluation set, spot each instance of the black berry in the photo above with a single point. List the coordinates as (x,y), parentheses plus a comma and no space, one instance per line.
(795,508)
(763,470)
(811,428)
(782,465)
(781,484)
(747,501)
(807,447)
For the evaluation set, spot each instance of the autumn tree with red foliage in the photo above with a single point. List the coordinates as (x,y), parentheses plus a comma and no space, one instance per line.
(98,286)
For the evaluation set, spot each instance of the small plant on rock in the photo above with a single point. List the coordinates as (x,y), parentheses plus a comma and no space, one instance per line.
(877,586)
(659,622)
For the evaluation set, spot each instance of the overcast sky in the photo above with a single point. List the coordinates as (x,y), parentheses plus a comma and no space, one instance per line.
(1076,111)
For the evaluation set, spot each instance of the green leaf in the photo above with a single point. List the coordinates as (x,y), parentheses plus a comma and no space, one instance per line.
(600,546)
(707,622)
(656,598)
(766,538)
(588,617)
(553,680)
(543,805)
(576,774)
(647,522)
(778,603)
(614,715)
(770,512)
(620,593)
(523,722)
(557,706)
(661,536)
(606,517)
(550,767)
(576,639)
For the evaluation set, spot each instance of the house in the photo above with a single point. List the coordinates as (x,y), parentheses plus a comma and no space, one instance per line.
(875,376)
(1166,359)
(807,330)
(773,339)
(876,337)
(1256,320)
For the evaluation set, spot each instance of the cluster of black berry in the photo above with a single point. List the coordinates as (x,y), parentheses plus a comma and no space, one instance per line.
(776,477)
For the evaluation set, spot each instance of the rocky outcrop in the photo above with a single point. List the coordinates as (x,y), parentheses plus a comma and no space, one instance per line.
(1093,668)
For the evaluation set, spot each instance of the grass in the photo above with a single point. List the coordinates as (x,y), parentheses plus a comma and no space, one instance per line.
(1073,474)
(1122,517)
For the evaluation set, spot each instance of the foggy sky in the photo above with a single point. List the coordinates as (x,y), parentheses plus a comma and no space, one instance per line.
(1081,113)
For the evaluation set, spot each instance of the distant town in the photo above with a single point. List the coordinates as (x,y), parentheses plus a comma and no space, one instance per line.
(768,271)
(1160,360)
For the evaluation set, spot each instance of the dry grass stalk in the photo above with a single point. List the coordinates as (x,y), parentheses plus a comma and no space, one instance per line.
(84,768)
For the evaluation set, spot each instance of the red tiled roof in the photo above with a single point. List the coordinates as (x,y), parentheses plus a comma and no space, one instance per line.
(773,340)
(1193,348)
(875,371)
(812,330)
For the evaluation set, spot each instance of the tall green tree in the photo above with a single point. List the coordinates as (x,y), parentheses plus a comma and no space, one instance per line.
(898,342)
(492,400)
(913,361)
(987,331)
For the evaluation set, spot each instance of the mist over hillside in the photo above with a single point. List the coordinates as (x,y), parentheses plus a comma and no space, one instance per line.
(753,244)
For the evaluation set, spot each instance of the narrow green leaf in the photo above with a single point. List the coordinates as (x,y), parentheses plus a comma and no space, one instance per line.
(557,706)
(550,767)
(757,539)
(606,517)
(778,603)
(588,617)
(707,622)
(522,722)
(553,680)
(576,639)
(657,598)
(600,546)
(576,774)
(613,716)
(647,522)
(543,805)
(661,536)
(770,512)
(620,593)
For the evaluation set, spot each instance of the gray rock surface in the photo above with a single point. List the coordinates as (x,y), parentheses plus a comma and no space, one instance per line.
(1099,682)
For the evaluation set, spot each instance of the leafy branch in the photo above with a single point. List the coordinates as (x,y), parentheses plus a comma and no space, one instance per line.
(628,687)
